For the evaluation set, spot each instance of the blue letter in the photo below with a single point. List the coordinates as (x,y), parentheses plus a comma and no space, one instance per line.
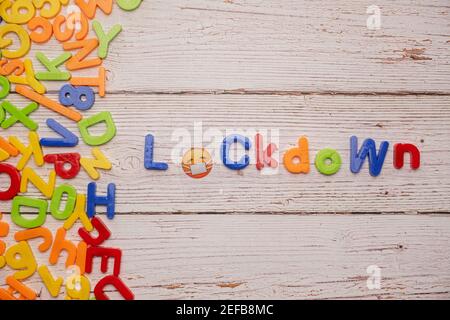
(94,200)
(68,138)
(368,148)
(225,151)
(148,156)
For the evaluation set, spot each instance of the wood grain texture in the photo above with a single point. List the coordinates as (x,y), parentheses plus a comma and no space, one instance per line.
(277,257)
(287,46)
(305,68)
(328,121)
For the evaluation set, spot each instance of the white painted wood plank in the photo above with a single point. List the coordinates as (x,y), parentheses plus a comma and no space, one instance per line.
(278,257)
(287,45)
(328,121)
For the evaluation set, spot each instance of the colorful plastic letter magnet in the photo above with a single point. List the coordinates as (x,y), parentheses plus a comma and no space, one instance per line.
(104,253)
(148,155)
(117,283)
(91,140)
(62,244)
(82,98)
(225,150)
(40,232)
(53,73)
(368,149)
(79,213)
(328,161)
(301,154)
(128,5)
(19,115)
(93,200)
(53,285)
(105,39)
(4,87)
(55,203)
(14,177)
(60,160)
(99,162)
(102,230)
(20,257)
(399,153)
(16,215)
(68,138)
(15,286)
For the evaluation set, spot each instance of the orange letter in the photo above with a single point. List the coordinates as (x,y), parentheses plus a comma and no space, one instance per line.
(77,61)
(301,154)
(90,7)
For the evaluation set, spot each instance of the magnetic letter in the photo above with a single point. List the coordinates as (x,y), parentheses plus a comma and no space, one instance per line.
(34,149)
(102,230)
(328,161)
(84,124)
(20,115)
(15,286)
(4,87)
(99,162)
(16,215)
(55,204)
(264,156)
(301,154)
(117,283)
(399,155)
(20,257)
(94,200)
(225,152)
(53,285)
(61,244)
(78,61)
(59,160)
(79,214)
(368,148)
(148,155)
(68,138)
(104,253)
(89,8)
(34,233)
(28,174)
(14,185)
(53,73)
(105,39)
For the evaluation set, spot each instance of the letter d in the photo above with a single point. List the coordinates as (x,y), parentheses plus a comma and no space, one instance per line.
(301,154)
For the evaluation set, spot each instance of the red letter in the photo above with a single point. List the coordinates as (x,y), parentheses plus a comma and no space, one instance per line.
(399,154)
(14,176)
(103,233)
(117,283)
(264,156)
(73,159)
(104,254)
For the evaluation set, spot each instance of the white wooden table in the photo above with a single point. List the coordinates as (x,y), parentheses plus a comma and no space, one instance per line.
(307,68)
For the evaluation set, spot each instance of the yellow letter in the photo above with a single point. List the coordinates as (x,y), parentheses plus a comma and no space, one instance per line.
(99,161)
(53,285)
(34,148)
(39,183)
(23,36)
(79,213)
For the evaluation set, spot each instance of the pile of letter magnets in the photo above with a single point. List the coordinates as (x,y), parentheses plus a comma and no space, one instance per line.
(36,21)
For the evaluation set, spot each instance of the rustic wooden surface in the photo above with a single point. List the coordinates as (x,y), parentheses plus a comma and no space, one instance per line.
(328,121)
(268,257)
(305,68)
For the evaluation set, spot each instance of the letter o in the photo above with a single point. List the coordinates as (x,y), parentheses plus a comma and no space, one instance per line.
(328,168)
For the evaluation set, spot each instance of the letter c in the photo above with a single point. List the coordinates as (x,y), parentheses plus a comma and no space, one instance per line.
(225,152)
